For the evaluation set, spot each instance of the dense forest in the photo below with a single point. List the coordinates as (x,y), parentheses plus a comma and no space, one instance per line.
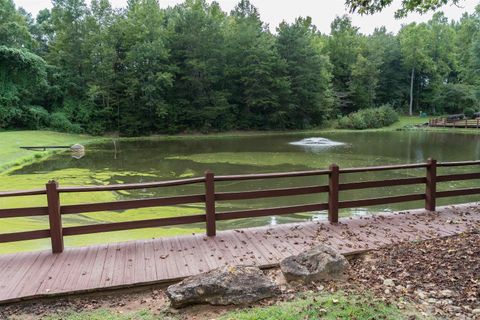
(193,67)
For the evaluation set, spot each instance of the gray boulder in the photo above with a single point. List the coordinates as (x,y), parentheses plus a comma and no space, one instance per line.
(319,263)
(223,286)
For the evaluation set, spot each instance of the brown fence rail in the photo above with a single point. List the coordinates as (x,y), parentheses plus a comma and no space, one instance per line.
(446,123)
(55,210)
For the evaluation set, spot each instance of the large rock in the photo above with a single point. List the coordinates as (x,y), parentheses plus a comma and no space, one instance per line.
(319,263)
(223,286)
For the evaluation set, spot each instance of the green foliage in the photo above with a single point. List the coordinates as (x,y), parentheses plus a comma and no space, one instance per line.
(420,6)
(369,118)
(22,74)
(193,67)
(60,122)
(13,26)
(310,98)
(469,113)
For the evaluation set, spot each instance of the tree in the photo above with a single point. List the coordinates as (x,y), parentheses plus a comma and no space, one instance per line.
(343,49)
(13,27)
(256,78)
(392,86)
(364,81)
(143,70)
(197,49)
(21,73)
(420,6)
(309,73)
(414,50)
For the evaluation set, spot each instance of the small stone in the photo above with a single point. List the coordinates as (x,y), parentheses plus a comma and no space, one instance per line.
(422,295)
(432,300)
(444,302)
(389,282)
(387,291)
(400,288)
(446,293)
(476,311)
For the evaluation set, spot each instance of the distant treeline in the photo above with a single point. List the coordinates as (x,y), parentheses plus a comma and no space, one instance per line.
(193,67)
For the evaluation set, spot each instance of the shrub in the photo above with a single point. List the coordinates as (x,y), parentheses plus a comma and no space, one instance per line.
(369,118)
(469,113)
(60,122)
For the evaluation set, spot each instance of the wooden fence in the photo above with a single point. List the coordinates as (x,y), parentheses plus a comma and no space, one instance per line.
(55,210)
(444,122)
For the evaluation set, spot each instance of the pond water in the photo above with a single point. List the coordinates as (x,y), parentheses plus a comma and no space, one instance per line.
(166,159)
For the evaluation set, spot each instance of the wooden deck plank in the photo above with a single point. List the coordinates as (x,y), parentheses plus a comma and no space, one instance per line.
(86,268)
(175,252)
(35,279)
(220,249)
(150,267)
(204,251)
(38,274)
(130,263)
(258,250)
(239,252)
(47,283)
(218,255)
(119,265)
(106,278)
(31,278)
(140,275)
(193,254)
(7,263)
(18,272)
(76,269)
(95,277)
(164,260)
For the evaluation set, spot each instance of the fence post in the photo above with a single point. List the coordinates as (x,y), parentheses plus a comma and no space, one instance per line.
(54,216)
(431,187)
(333,181)
(210,203)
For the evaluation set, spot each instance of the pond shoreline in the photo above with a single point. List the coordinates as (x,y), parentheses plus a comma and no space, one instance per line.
(31,137)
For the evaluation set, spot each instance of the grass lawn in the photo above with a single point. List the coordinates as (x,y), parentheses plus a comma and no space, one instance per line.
(305,306)
(11,155)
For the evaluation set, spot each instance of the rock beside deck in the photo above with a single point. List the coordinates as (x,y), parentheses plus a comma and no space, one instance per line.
(319,263)
(223,286)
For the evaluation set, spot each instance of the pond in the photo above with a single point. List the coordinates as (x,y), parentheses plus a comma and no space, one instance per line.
(166,159)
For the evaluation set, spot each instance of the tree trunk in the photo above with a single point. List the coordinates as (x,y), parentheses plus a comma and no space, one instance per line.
(411,91)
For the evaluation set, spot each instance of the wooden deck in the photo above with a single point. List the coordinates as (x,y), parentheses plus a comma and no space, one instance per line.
(86,269)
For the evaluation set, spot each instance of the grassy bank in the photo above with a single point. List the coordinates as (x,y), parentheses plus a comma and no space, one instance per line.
(11,155)
(304,306)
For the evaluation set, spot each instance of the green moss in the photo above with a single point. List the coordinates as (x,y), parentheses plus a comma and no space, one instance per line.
(75,177)
(310,160)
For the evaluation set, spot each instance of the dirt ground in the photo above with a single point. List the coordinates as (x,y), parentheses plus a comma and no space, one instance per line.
(441,278)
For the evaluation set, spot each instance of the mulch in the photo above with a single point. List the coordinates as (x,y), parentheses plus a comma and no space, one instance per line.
(441,276)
